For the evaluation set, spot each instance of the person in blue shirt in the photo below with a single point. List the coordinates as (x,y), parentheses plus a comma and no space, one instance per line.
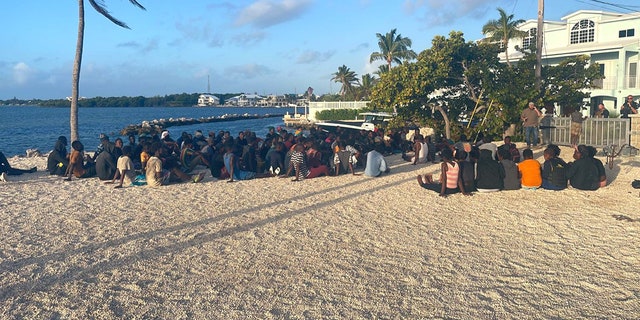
(376,164)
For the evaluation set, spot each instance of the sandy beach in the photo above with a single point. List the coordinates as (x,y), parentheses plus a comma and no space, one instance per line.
(347,247)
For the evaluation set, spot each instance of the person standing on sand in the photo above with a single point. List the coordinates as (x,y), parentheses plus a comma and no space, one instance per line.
(576,126)
(530,116)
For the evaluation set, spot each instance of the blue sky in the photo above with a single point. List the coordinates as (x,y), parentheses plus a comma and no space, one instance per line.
(261,46)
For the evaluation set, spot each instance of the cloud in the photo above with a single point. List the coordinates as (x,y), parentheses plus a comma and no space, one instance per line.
(267,13)
(246,39)
(248,71)
(150,46)
(359,47)
(22,73)
(198,31)
(309,57)
(437,12)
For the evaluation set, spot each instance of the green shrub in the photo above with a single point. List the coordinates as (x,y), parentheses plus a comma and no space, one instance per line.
(338,114)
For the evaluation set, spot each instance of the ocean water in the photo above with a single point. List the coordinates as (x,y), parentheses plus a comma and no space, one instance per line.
(31,127)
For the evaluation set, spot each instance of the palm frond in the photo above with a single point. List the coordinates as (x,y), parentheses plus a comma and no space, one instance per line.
(99,6)
(137,4)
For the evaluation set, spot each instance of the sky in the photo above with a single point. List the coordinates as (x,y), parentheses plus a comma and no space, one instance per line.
(251,46)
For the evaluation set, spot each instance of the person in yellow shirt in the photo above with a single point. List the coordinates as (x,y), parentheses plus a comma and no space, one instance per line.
(530,171)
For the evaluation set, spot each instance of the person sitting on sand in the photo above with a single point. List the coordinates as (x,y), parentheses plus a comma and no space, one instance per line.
(275,159)
(583,173)
(161,172)
(302,170)
(487,144)
(77,166)
(249,161)
(511,179)
(601,171)
(376,164)
(125,174)
(345,157)
(553,169)
(467,168)
(420,151)
(232,166)
(190,158)
(511,147)
(489,173)
(171,146)
(104,139)
(107,160)
(530,171)
(6,169)
(450,179)
(58,159)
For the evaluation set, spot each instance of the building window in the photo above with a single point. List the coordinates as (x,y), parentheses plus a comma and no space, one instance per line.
(626,33)
(530,38)
(583,31)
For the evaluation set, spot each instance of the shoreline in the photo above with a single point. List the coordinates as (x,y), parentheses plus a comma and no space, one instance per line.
(329,247)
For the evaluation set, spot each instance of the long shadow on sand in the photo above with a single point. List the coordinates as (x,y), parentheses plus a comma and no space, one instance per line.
(77,273)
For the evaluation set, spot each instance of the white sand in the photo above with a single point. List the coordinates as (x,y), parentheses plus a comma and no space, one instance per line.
(333,247)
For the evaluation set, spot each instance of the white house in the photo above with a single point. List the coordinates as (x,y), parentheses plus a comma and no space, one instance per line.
(206,100)
(610,39)
(244,100)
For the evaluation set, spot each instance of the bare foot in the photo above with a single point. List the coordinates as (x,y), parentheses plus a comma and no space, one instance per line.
(420,182)
(429,178)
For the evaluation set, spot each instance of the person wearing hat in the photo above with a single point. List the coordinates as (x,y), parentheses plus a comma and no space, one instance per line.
(199,139)
(104,140)
(170,144)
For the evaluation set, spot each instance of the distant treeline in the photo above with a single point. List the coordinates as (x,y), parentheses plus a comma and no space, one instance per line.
(172,100)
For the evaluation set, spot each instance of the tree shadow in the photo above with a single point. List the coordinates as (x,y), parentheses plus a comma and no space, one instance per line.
(73,273)
(622,217)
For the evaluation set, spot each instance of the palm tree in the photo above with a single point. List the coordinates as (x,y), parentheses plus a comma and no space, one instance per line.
(503,30)
(382,69)
(348,79)
(75,83)
(393,48)
(366,85)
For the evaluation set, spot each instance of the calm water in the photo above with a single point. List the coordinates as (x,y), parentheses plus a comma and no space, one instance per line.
(23,128)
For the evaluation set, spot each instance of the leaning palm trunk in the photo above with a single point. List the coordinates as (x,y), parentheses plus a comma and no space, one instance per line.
(447,123)
(75,82)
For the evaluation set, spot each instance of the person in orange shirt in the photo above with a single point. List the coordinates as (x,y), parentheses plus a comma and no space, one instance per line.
(530,171)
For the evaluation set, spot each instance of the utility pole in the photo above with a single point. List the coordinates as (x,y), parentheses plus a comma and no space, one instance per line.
(539,35)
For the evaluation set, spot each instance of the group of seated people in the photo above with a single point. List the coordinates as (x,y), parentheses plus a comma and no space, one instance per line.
(484,167)
(158,159)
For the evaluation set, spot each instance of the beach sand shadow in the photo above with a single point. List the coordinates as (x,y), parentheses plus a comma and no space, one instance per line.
(74,273)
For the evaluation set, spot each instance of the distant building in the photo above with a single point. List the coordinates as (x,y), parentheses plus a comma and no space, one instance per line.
(244,100)
(273,101)
(610,39)
(207,100)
